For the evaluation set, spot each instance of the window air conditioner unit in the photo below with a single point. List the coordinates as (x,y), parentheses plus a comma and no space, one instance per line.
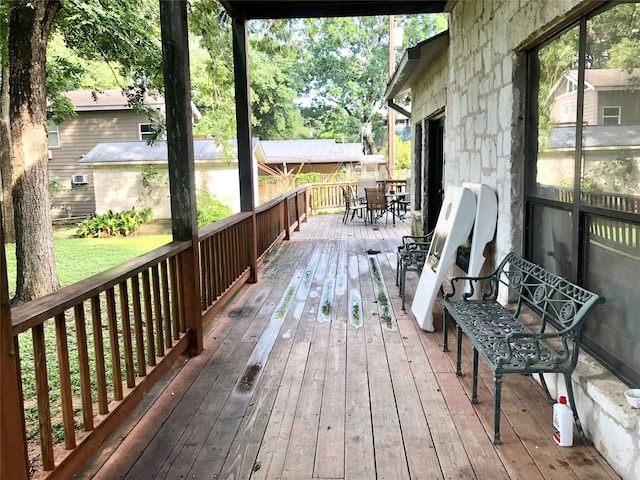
(79,179)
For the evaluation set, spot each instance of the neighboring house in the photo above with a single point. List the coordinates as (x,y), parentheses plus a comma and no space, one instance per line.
(611,97)
(373,166)
(100,116)
(479,113)
(134,174)
(611,157)
(304,156)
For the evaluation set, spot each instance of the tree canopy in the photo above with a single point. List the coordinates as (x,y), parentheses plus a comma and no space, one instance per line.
(322,77)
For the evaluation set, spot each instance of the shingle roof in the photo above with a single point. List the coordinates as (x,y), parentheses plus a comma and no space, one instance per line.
(609,77)
(105,100)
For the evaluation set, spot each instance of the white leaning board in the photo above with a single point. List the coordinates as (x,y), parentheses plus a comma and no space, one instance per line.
(484,226)
(452,230)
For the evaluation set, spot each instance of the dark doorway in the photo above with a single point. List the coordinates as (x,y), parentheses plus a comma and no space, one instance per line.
(433,170)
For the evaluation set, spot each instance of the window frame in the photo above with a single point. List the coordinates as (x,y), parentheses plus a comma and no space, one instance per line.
(581,211)
(143,135)
(53,132)
(618,116)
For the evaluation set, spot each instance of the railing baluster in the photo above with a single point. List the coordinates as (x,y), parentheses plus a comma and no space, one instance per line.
(180,294)
(98,348)
(126,334)
(65,382)
(166,302)
(137,323)
(115,345)
(83,364)
(148,319)
(206,295)
(175,304)
(157,309)
(42,389)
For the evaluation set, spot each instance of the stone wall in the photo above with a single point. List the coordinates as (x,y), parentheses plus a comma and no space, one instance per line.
(483,97)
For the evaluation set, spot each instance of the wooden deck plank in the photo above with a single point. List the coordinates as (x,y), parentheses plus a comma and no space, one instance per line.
(389,450)
(273,448)
(391,398)
(359,451)
(421,455)
(300,455)
(447,440)
(213,451)
(329,457)
(242,459)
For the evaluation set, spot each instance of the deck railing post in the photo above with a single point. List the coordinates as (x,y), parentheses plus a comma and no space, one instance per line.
(184,225)
(14,461)
(243,127)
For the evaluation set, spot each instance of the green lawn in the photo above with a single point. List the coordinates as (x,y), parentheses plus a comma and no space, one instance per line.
(80,258)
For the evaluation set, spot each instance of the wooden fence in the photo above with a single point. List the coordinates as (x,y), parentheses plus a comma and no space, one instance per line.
(613,232)
(113,335)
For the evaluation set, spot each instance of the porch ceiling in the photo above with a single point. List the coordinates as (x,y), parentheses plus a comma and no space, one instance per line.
(254,9)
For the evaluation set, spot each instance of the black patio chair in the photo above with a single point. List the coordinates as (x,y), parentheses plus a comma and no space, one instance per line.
(411,256)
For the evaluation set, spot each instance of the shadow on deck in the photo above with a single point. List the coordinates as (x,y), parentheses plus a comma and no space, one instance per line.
(316,372)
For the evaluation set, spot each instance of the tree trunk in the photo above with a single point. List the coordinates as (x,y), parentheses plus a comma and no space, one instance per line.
(6,170)
(29,28)
(371,144)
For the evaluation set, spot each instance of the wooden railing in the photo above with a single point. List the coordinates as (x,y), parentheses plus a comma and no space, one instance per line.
(327,196)
(109,334)
(610,231)
(88,353)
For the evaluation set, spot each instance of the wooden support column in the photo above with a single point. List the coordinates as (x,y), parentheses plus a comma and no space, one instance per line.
(243,121)
(14,461)
(182,184)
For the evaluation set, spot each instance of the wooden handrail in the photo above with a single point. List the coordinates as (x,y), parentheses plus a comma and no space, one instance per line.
(126,325)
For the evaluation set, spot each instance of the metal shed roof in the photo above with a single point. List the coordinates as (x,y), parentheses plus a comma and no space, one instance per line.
(310,151)
(140,151)
(596,136)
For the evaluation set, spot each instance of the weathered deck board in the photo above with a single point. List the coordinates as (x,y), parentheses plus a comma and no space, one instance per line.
(306,393)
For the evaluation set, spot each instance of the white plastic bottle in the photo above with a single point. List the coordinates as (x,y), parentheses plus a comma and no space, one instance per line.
(562,423)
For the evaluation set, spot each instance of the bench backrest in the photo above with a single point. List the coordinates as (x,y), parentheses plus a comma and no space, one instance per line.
(555,299)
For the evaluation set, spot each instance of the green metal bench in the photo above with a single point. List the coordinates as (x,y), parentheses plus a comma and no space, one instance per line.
(502,338)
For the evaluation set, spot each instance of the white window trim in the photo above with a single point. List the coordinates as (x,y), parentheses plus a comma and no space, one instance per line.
(142,135)
(618,116)
(50,131)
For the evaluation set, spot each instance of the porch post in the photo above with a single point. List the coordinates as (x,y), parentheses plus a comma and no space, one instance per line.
(14,460)
(243,122)
(182,185)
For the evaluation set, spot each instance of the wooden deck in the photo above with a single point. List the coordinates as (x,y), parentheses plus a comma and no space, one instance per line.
(315,372)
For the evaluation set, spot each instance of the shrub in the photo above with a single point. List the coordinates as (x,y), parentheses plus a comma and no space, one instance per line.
(113,224)
(210,208)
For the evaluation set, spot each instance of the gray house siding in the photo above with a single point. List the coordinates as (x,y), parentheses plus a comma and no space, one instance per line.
(78,136)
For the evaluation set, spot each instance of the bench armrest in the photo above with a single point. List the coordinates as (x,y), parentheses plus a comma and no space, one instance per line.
(536,340)
(471,282)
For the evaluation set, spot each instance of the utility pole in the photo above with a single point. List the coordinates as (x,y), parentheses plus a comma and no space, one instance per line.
(391,114)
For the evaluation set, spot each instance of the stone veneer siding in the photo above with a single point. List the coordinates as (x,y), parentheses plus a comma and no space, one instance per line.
(481,85)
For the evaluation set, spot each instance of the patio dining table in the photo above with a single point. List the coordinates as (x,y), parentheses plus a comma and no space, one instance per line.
(394,200)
